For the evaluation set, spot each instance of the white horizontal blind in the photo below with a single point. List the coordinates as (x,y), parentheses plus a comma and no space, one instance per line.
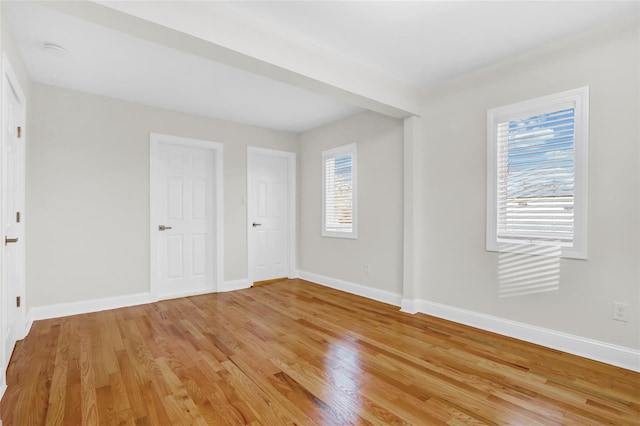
(535,179)
(339,193)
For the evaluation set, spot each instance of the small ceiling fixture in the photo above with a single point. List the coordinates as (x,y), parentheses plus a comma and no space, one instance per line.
(55,49)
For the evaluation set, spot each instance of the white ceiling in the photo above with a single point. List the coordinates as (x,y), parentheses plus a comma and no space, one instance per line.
(107,62)
(426,42)
(418,44)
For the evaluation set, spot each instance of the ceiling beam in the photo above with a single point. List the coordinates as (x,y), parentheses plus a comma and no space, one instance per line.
(219,33)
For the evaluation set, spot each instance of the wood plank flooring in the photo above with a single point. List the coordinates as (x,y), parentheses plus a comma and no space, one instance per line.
(298,353)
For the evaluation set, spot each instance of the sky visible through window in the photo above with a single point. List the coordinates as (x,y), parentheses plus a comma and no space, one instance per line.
(536,158)
(343,167)
(541,155)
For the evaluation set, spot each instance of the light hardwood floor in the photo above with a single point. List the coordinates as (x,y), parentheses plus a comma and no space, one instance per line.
(298,353)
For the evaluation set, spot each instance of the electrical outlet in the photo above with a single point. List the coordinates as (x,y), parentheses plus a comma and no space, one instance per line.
(620,311)
(367,268)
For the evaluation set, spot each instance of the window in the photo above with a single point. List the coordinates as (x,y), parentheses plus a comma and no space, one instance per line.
(537,158)
(339,192)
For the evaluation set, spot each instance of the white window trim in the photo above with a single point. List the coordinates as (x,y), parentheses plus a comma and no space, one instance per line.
(577,98)
(332,153)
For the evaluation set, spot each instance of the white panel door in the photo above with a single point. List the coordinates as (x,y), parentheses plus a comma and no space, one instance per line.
(269,214)
(184,220)
(13,139)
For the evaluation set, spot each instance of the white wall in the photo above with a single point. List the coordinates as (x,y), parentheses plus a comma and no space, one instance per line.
(88,192)
(456,269)
(379,243)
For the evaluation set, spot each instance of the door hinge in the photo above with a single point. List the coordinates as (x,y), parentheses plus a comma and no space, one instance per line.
(17,301)
(17,217)
(19,131)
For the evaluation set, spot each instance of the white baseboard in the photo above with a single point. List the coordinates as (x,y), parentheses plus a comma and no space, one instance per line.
(619,356)
(181,294)
(3,388)
(234,285)
(357,289)
(86,306)
(409,306)
(96,305)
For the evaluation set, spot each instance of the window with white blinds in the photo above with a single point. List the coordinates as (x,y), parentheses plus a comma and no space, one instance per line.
(339,192)
(537,177)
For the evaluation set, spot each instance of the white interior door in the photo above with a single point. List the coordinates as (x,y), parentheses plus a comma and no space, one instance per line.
(184,216)
(271,214)
(13,158)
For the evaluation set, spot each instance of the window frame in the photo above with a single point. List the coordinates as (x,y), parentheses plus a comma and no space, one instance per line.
(578,99)
(350,149)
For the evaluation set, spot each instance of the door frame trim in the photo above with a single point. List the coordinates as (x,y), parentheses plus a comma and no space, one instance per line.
(292,229)
(155,139)
(9,78)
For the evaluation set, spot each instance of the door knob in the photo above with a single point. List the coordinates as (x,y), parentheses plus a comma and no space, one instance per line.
(8,240)
(163,228)
(256,224)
